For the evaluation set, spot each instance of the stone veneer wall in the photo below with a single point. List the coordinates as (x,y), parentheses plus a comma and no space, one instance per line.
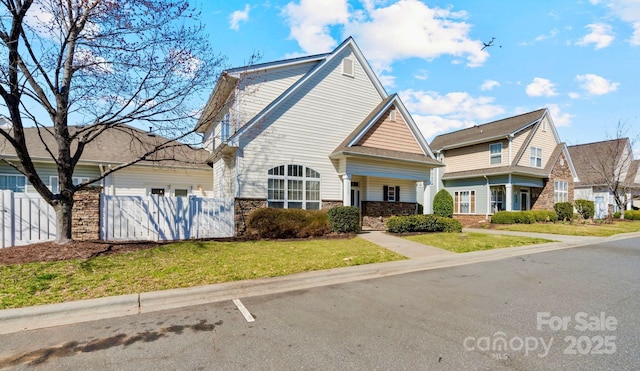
(471,220)
(544,199)
(85,223)
(376,213)
(243,208)
(330,204)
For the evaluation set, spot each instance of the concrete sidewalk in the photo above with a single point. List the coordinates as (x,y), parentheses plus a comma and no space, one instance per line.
(30,318)
(410,249)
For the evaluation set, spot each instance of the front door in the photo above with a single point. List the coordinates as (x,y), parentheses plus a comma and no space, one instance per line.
(524,200)
(355,196)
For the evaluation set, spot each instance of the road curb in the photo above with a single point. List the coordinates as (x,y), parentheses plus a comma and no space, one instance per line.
(51,315)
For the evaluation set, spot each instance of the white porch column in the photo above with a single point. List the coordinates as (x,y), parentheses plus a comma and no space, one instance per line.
(346,190)
(509,196)
(426,198)
(629,201)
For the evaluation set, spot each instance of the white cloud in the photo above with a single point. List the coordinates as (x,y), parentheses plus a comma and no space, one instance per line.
(601,35)
(421,75)
(382,28)
(553,33)
(559,118)
(309,22)
(628,11)
(239,16)
(574,95)
(541,87)
(435,113)
(88,61)
(489,85)
(596,85)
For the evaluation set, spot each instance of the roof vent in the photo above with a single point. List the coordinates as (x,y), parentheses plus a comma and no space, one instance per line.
(150,132)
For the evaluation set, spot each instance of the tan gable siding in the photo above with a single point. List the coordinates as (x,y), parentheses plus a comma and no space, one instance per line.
(518,141)
(474,157)
(393,135)
(307,127)
(541,139)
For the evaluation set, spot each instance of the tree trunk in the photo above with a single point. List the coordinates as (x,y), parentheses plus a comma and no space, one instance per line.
(63,211)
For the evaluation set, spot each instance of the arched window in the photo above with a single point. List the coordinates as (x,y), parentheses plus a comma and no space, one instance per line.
(293,187)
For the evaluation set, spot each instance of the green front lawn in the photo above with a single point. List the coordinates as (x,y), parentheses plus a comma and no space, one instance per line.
(177,265)
(594,230)
(467,242)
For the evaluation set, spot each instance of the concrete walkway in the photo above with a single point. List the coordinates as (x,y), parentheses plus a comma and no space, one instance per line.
(410,249)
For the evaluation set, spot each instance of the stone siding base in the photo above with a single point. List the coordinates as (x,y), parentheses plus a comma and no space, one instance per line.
(242,209)
(376,213)
(471,220)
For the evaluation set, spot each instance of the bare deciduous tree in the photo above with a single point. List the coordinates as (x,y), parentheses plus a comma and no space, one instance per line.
(75,69)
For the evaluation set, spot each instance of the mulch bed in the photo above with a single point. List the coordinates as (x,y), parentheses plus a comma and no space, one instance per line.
(50,251)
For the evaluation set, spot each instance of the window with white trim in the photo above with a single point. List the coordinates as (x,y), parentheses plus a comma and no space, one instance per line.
(536,157)
(391,193)
(225,127)
(157,192)
(497,199)
(465,202)
(54,184)
(293,187)
(495,153)
(16,183)
(560,191)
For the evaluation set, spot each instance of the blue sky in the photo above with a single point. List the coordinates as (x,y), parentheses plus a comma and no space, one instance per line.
(579,58)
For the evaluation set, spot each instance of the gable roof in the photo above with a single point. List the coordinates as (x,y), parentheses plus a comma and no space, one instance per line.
(117,145)
(633,176)
(487,132)
(324,60)
(609,151)
(349,144)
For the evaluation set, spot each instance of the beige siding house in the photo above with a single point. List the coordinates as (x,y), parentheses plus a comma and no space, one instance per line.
(311,133)
(607,168)
(177,171)
(517,163)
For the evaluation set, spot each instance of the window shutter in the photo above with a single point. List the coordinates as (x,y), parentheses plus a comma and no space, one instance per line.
(398,193)
(385,193)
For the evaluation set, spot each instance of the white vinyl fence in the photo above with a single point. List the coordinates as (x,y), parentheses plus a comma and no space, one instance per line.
(165,218)
(26,219)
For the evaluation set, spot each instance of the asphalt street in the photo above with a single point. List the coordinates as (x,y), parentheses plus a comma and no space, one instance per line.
(571,309)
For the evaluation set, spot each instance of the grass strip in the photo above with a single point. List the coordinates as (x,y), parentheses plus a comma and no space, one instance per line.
(183,264)
(576,229)
(467,242)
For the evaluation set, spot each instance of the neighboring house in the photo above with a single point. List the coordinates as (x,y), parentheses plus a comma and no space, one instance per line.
(187,174)
(312,133)
(604,167)
(517,163)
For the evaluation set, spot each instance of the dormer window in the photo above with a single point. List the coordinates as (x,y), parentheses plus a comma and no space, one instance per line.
(536,157)
(348,67)
(495,153)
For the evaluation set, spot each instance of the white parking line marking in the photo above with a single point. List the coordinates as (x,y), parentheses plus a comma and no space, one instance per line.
(243,310)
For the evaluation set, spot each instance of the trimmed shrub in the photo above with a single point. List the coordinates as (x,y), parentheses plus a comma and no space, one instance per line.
(617,215)
(585,208)
(344,219)
(287,223)
(422,223)
(523,217)
(564,210)
(443,204)
(632,214)
(544,215)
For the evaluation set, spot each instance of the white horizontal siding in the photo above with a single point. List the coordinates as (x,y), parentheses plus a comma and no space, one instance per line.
(307,128)
(375,189)
(389,169)
(138,181)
